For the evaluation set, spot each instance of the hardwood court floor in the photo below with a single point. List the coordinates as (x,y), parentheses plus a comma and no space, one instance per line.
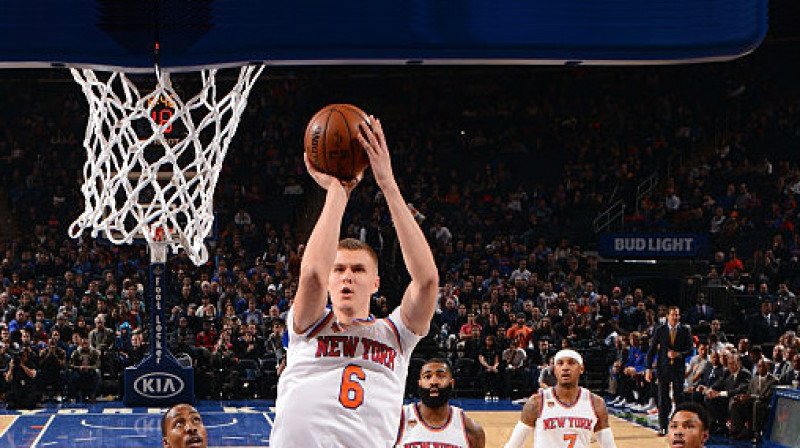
(230,424)
(499,424)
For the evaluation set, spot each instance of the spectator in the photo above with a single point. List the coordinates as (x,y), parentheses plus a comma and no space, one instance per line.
(698,366)
(101,338)
(53,365)
(489,361)
(715,370)
(15,326)
(85,372)
(733,264)
(719,336)
(20,378)
(514,371)
(792,376)
(719,394)
(749,409)
(701,314)
(137,352)
(520,331)
(468,328)
(547,377)
(252,314)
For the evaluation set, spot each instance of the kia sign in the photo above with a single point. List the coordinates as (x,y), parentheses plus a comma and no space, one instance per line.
(158,385)
(654,245)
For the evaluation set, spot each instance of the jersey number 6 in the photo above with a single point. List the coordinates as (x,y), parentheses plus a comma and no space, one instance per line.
(351,392)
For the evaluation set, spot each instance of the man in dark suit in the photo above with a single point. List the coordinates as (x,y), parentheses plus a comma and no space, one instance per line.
(764,326)
(718,396)
(753,406)
(673,344)
(715,371)
(792,374)
(701,312)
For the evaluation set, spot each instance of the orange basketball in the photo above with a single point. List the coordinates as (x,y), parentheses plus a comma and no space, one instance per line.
(331,143)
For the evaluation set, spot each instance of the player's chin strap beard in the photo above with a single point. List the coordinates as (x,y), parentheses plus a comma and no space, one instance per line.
(437,400)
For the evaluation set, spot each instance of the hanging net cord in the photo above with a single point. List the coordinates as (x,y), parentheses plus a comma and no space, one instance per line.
(135,181)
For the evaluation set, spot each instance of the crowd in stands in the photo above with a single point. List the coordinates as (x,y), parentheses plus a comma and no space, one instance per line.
(505,182)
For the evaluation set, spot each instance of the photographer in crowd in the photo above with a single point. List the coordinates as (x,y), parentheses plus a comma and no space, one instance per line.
(20,378)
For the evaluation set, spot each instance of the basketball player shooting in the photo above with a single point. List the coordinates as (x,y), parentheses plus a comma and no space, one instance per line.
(346,371)
(433,422)
(564,416)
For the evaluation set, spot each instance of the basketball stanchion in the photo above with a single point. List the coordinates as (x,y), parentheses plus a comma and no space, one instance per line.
(153,164)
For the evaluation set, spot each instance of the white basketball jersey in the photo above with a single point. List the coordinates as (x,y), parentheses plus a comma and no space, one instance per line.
(416,433)
(343,387)
(563,425)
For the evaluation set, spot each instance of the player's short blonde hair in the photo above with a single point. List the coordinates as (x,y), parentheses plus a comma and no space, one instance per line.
(354,244)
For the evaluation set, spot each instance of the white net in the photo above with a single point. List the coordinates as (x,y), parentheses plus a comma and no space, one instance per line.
(154,159)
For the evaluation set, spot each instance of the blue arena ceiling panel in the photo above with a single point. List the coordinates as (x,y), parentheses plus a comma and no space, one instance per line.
(194,33)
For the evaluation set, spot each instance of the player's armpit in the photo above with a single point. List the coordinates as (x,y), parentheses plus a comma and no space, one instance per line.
(475,434)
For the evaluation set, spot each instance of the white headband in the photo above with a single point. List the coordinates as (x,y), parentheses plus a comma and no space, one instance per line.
(567,353)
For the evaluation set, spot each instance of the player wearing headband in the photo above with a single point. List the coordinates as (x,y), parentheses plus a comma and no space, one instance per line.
(566,415)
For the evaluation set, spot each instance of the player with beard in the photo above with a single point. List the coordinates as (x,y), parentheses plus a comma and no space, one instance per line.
(566,415)
(432,421)
(182,427)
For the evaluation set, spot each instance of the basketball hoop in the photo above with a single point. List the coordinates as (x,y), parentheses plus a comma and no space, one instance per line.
(154,159)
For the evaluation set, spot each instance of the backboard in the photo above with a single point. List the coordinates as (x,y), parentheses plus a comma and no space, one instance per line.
(202,33)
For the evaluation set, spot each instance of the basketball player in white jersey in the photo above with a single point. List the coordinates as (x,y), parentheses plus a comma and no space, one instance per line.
(433,422)
(345,372)
(566,415)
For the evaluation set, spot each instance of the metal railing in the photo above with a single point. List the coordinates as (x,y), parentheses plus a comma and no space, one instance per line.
(613,215)
(646,187)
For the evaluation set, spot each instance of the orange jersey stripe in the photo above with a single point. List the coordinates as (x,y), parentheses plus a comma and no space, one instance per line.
(317,328)
(396,333)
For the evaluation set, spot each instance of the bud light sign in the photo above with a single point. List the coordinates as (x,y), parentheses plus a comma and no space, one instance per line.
(654,245)
(158,385)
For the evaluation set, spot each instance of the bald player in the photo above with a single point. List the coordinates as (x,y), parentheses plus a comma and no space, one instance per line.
(182,427)
(566,415)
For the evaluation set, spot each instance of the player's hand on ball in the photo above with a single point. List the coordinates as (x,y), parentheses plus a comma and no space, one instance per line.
(374,143)
(326,181)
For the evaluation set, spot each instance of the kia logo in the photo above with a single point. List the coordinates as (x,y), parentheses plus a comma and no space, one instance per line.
(158,385)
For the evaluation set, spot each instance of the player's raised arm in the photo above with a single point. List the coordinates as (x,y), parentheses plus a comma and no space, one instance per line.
(320,253)
(419,299)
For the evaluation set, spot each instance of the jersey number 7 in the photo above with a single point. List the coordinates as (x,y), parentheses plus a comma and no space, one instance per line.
(351,392)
